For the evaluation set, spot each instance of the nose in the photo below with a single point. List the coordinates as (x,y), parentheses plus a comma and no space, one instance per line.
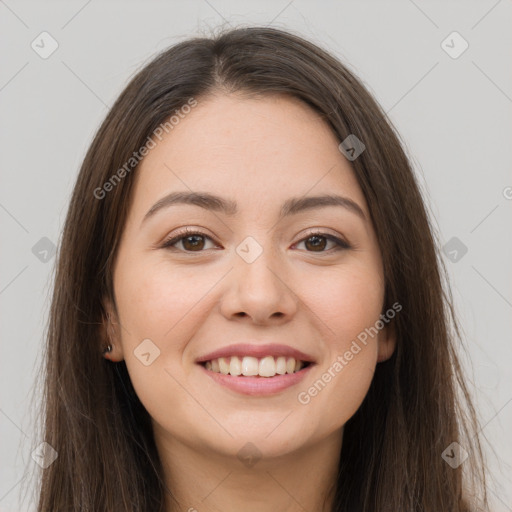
(259,291)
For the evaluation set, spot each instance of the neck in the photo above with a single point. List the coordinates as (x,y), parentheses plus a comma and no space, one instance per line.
(207,481)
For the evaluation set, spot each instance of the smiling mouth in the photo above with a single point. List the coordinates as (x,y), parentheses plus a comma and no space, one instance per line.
(249,366)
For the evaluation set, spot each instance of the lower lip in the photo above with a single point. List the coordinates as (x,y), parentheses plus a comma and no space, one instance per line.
(257,386)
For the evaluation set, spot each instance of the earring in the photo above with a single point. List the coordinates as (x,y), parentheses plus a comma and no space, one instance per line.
(109,347)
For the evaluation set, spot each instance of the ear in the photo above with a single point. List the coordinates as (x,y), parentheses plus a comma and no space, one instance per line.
(111,332)
(386,342)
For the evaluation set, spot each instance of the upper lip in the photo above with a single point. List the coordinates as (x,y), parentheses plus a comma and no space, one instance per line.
(259,351)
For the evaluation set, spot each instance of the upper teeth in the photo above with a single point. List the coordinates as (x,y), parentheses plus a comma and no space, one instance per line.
(250,366)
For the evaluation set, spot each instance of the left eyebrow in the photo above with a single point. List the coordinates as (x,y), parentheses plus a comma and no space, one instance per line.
(229,207)
(299,204)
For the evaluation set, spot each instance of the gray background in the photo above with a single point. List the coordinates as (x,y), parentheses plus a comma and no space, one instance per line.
(453,115)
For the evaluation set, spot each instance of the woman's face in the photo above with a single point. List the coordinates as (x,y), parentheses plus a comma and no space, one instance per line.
(251,284)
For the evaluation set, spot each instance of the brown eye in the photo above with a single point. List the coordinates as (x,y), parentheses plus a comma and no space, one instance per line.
(191,242)
(317,242)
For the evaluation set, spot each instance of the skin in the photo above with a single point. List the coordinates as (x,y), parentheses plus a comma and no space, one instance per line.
(258,152)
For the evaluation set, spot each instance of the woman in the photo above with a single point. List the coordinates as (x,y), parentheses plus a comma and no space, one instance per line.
(248,310)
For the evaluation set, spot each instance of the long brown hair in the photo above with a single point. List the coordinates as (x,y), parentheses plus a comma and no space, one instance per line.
(417,404)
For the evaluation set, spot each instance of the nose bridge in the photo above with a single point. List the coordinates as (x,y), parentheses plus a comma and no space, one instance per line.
(258,268)
(259,287)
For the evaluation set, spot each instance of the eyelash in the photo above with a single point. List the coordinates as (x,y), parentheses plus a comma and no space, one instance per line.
(340,244)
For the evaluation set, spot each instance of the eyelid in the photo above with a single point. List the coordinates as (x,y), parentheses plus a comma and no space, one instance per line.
(181,234)
(323,232)
(340,241)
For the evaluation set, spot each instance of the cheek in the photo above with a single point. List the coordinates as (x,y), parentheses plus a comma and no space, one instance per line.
(160,303)
(347,301)
(158,300)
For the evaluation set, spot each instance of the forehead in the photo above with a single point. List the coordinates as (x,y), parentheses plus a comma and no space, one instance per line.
(257,151)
